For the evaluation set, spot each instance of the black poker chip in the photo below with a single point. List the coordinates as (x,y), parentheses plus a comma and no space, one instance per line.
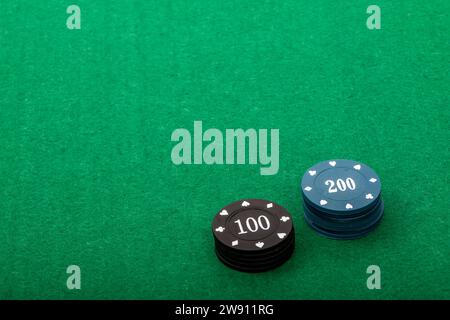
(342,199)
(253,235)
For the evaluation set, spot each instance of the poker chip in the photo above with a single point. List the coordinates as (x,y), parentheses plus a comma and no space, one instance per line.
(342,199)
(253,235)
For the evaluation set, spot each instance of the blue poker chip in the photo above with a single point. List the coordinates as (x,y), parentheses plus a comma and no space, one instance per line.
(341,186)
(342,198)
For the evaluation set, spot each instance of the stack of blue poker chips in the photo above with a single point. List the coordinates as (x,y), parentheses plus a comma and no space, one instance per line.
(342,199)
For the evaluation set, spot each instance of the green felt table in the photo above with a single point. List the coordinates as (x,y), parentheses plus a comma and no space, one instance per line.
(86,118)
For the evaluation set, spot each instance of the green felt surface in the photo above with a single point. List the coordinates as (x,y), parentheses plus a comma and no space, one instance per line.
(86,118)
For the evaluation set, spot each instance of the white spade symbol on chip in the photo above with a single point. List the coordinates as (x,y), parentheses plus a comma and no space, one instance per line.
(259,244)
(245,204)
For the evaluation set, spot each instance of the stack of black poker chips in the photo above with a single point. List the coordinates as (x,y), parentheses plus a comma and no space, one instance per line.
(253,235)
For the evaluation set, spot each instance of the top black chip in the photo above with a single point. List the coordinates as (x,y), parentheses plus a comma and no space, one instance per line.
(252,225)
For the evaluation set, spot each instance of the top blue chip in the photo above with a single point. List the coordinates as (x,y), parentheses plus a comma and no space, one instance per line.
(341,187)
